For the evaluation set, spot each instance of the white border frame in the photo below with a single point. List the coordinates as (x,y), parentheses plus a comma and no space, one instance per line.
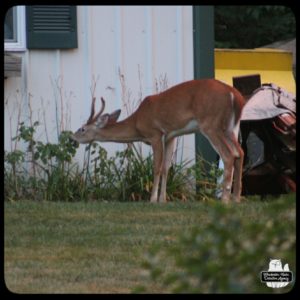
(20,45)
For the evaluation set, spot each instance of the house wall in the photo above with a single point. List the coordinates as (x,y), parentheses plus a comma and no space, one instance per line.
(129,51)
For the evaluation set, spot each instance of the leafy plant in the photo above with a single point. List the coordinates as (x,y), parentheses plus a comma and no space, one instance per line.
(226,254)
(207,182)
(126,176)
(51,164)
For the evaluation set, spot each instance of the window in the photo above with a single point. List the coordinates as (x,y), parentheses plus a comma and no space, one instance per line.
(10,25)
(14,29)
(47,27)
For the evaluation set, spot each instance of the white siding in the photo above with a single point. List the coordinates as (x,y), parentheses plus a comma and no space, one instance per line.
(144,43)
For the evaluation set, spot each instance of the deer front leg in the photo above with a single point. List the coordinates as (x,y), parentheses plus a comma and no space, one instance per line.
(157,147)
(167,160)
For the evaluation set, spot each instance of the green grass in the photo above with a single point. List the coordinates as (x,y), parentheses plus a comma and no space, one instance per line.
(99,247)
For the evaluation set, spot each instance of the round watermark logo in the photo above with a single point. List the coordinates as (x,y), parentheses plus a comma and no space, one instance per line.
(277,276)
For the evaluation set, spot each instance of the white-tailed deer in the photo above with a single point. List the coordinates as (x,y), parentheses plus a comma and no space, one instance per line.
(206,105)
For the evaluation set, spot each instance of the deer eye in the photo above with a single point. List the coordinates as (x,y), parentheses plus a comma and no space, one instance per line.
(81,129)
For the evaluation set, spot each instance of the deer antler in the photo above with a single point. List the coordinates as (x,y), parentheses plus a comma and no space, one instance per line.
(92,118)
(101,110)
(92,111)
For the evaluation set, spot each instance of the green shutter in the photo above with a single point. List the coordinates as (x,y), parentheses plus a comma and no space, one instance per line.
(51,27)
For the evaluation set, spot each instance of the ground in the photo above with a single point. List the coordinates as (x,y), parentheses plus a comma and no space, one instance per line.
(99,247)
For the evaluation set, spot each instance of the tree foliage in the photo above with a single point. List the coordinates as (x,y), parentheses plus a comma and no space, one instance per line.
(253,26)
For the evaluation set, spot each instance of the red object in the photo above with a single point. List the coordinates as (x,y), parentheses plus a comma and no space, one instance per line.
(285,123)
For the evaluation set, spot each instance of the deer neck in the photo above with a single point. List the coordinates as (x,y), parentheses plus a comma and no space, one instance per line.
(121,132)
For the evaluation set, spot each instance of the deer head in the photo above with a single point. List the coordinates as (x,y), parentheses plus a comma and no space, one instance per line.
(95,125)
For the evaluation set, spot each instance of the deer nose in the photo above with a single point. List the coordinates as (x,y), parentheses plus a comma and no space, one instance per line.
(72,137)
(73,141)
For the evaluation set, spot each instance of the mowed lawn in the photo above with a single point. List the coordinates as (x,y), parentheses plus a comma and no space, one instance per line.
(99,247)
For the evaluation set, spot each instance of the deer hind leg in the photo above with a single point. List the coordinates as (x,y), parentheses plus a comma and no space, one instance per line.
(224,149)
(238,168)
(167,160)
(228,158)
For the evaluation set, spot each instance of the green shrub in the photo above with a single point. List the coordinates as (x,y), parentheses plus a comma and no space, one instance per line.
(50,165)
(207,177)
(52,175)
(227,254)
(128,176)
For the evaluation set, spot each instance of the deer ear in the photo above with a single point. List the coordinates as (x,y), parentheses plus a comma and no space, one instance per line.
(102,121)
(114,116)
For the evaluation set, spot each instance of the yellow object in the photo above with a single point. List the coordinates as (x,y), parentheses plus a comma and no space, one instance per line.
(273,66)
